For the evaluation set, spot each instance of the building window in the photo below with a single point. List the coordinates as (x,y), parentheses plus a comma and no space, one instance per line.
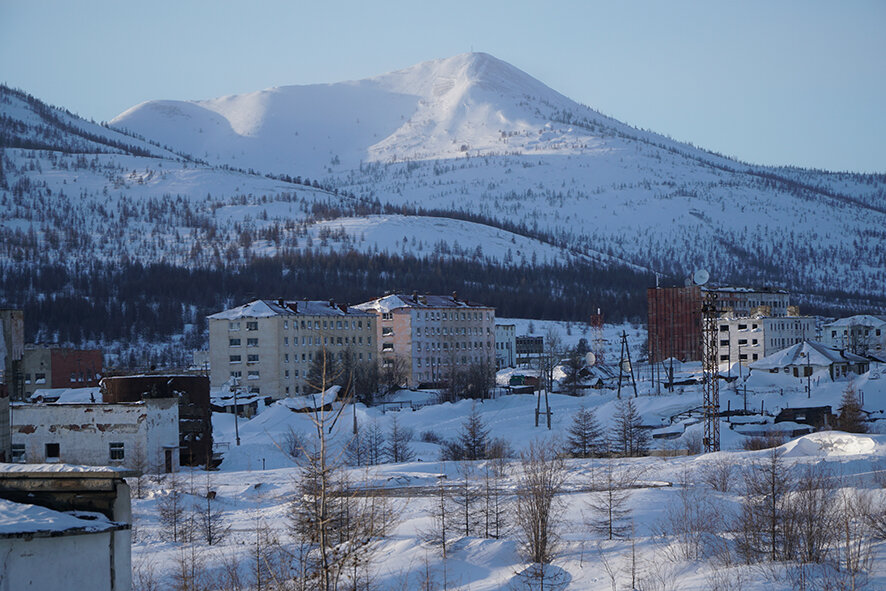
(233,342)
(52,451)
(18,453)
(116,451)
(724,343)
(387,331)
(252,375)
(286,358)
(387,347)
(234,358)
(285,340)
(233,326)
(285,324)
(39,378)
(252,325)
(252,342)
(252,358)
(236,374)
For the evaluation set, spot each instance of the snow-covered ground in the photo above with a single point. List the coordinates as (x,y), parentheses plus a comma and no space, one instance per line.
(257,481)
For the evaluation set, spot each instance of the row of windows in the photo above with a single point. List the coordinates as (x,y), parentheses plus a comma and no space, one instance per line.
(742,357)
(347,340)
(309,325)
(458,330)
(304,357)
(52,451)
(437,361)
(867,332)
(445,346)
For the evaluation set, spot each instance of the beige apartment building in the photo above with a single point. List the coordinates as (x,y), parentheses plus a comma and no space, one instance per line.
(269,345)
(429,334)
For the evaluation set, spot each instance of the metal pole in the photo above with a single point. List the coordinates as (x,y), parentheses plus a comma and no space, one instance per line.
(236,426)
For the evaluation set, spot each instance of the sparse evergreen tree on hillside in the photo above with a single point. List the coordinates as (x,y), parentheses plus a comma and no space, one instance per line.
(852,418)
(627,435)
(584,438)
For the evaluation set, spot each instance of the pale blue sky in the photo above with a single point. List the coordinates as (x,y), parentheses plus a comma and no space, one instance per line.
(795,83)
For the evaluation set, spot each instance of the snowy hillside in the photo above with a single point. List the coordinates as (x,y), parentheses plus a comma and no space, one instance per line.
(475,134)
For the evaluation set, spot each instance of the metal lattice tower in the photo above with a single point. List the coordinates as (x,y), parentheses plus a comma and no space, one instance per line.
(711,370)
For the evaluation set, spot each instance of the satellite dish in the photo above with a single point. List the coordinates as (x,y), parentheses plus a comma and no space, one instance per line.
(701,277)
(590,359)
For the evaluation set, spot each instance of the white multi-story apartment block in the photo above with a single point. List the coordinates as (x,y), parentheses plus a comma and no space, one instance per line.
(430,334)
(269,346)
(505,345)
(746,301)
(748,339)
(862,334)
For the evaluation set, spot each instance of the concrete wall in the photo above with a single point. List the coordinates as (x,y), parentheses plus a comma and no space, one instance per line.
(84,432)
(505,345)
(63,562)
(746,340)
(285,347)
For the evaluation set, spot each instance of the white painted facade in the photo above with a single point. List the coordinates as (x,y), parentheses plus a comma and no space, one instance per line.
(861,334)
(505,345)
(748,339)
(48,545)
(132,435)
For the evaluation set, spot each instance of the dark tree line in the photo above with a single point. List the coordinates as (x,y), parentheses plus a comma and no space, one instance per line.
(103,301)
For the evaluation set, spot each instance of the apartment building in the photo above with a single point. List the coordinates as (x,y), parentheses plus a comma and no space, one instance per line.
(746,301)
(505,346)
(60,367)
(748,339)
(269,345)
(428,335)
(862,334)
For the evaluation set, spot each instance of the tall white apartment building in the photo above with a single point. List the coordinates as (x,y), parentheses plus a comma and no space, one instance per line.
(269,345)
(862,334)
(429,334)
(748,339)
(505,346)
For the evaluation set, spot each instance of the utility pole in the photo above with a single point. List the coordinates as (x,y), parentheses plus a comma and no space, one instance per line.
(625,356)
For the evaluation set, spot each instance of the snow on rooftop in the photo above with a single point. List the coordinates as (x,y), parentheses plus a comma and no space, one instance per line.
(392,302)
(22,518)
(268,309)
(6,468)
(859,320)
(805,353)
(311,401)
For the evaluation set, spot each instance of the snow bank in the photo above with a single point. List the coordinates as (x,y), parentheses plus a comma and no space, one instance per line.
(830,444)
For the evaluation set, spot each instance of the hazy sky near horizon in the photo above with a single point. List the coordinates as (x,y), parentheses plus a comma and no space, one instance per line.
(784,83)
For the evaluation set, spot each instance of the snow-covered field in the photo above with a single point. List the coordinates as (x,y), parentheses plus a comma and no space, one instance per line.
(257,481)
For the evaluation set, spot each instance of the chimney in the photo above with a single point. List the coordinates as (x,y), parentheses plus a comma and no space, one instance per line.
(281,303)
(332,303)
(455,296)
(294,307)
(414,296)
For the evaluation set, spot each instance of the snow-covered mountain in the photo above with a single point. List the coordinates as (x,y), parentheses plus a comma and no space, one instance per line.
(474,134)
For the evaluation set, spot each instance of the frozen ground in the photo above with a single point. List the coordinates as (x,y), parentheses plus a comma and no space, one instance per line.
(257,482)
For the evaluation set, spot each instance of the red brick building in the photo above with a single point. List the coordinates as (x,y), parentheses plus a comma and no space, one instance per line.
(674,323)
(59,367)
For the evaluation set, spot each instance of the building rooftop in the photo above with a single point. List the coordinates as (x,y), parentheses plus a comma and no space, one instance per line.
(392,302)
(859,320)
(19,519)
(806,353)
(270,308)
